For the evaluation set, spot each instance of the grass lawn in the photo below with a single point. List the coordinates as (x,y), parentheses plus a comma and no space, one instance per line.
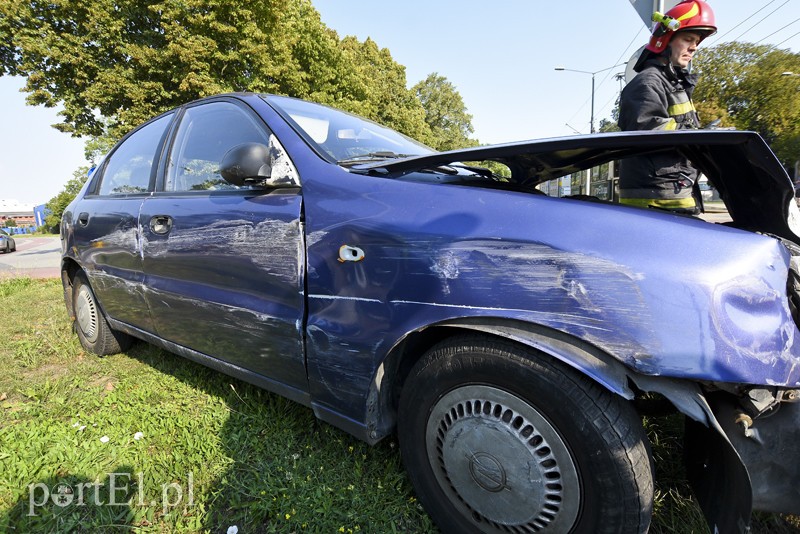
(147,441)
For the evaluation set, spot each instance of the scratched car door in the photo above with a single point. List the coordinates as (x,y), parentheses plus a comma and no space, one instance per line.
(104,224)
(224,265)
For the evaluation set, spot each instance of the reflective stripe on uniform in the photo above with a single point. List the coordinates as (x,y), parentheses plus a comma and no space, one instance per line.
(680,109)
(688,203)
(668,126)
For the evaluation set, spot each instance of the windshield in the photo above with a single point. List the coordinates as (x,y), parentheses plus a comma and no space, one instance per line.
(344,137)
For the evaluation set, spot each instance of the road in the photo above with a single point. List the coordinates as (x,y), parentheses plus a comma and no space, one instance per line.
(36,257)
(716,216)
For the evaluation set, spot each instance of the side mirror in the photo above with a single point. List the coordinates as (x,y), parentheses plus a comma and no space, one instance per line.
(246,164)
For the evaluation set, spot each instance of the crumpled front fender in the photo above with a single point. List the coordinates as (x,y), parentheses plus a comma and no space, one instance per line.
(734,470)
(770,450)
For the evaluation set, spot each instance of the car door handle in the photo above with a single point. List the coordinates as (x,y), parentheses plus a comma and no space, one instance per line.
(161,224)
(83,219)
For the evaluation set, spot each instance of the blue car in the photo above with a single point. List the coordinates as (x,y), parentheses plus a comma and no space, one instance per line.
(508,337)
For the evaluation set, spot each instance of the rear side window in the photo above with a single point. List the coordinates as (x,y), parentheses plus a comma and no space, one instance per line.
(129,168)
(205,135)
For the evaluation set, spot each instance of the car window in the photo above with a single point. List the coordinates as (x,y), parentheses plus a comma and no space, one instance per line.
(343,136)
(206,133)
(129,168)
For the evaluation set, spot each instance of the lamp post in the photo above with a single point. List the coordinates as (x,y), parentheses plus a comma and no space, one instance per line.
(591,121)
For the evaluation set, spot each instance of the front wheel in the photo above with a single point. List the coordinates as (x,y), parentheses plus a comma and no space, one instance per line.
(498,438)
(93,330)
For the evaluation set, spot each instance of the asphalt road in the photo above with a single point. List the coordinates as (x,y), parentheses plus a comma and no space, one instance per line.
(36,257)
(716,216)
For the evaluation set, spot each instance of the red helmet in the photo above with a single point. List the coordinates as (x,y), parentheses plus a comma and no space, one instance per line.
(694,15)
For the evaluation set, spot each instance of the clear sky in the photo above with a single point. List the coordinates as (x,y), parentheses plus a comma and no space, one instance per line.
(499,55)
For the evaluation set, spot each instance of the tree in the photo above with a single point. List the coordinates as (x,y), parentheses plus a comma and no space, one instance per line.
(59,203)
(742,84)
(113,64)
(607,125)
(389,101)
(130,60)
(445,113)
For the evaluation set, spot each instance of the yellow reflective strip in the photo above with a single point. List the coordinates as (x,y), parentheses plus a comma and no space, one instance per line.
(668,126)
(680,109)
(659,202)
(691,13)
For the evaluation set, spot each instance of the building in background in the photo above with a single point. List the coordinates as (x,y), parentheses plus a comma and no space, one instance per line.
(22,216)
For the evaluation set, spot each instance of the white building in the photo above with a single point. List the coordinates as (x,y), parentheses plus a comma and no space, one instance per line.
(22,214)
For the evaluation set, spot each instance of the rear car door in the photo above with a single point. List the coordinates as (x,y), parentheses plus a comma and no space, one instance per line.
(105,223)
(224,264)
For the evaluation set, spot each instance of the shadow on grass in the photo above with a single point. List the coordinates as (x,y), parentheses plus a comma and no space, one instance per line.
(70,502)
(288,471)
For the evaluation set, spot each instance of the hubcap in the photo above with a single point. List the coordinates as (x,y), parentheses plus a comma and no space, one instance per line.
(501,462)
(86,313)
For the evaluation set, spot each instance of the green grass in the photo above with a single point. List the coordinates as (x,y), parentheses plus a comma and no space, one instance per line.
(239,455)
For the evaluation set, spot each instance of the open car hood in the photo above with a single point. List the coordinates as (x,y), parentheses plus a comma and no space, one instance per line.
(751,181)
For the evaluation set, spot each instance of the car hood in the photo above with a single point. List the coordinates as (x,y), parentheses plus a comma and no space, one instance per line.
(751,181)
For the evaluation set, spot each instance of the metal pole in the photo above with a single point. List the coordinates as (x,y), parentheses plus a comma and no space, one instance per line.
(587,186)
(591,123)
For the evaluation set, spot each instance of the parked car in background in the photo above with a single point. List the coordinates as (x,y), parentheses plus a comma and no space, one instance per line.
(504,335)
(7,243)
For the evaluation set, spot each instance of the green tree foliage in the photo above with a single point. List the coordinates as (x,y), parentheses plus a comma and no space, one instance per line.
(445,113)
(129,60)
(374,86)
(742,84)
(112,64)
(59,203)
(607,125)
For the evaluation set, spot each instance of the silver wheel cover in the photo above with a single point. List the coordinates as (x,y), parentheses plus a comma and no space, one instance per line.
(501,462)
(86,313)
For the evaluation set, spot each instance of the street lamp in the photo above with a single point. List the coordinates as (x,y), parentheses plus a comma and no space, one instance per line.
(591,121)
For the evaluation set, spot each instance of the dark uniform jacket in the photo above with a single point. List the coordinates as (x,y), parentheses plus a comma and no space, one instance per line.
(658,98)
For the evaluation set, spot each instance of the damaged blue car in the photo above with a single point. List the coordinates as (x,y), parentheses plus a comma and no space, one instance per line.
(506,335)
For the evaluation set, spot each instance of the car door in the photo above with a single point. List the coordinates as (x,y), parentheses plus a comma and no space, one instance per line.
(105,223)
(224,264)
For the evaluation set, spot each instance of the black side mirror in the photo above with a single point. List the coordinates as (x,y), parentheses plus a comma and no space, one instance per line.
(246,164)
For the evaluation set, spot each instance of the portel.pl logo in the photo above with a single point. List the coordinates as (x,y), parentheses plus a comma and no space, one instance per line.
(118,494)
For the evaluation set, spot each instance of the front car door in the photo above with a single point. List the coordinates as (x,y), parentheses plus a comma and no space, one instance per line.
(224,264)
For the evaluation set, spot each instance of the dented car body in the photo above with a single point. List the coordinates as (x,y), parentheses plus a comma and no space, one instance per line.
(337,268)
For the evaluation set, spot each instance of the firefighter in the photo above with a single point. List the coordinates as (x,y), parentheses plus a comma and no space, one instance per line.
(660,98)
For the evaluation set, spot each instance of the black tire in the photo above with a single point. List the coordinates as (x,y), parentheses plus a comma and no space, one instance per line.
(90,324)
(499,438)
